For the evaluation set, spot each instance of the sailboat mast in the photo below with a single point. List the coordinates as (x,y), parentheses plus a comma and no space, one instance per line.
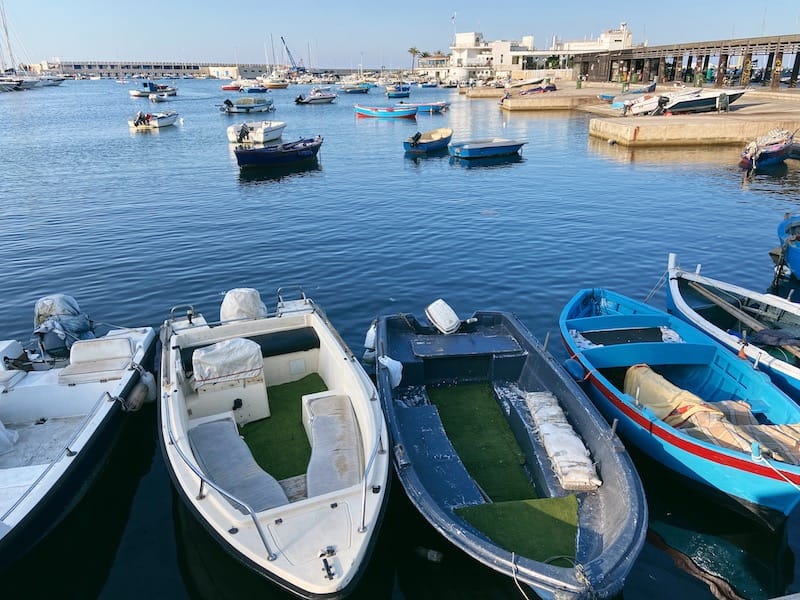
(8,37)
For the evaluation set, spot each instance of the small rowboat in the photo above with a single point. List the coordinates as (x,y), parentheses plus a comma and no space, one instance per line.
(430,141)
(485,148)
(279,154)
(386,112)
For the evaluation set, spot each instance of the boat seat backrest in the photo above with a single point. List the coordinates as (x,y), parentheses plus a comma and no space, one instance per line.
(98,359)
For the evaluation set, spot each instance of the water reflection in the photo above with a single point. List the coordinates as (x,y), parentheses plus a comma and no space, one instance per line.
(250,175)
(488,162)
(711,155)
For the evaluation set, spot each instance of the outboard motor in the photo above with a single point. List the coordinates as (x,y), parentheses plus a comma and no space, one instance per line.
(244,133)
(662,103)
(58,322)
(415,138)
(443,317)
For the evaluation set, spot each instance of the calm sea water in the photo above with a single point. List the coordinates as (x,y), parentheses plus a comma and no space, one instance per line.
(132,224)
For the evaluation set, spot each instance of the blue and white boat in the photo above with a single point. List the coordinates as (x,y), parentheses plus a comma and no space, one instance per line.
(429,141)
(763,327)
(767,150)
(686,401)
(485,148)
(398,90)
(528,503)
(789,236)
(429,107)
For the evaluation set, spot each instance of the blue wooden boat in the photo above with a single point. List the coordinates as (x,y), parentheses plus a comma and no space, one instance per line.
(485,148)
(491,365)
(386,112)
(278,154)
(398,90)
(767,150)
(429,141)
(429,107)
(763,327)
(686,401)
(789,236)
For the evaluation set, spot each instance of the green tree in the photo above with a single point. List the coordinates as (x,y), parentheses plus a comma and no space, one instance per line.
(414,54)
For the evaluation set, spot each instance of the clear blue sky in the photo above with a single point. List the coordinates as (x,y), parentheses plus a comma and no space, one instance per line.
(345,33)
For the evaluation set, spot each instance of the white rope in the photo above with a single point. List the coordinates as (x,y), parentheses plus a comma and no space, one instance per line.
(760,458)
(661,281)
(514,575)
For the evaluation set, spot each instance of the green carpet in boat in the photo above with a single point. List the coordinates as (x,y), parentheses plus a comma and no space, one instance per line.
(279,443)
(480,434)
(544,529)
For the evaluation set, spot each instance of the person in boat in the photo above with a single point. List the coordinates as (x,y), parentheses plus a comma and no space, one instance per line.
(244,133)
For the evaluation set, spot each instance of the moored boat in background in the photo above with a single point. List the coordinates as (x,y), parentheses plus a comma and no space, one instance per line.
(429,141)
(247,104)
(278,154)
(142,121)
(386,112)
(767,150)
(489,147)
(256,132)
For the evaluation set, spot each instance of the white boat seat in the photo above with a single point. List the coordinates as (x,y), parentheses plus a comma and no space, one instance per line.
(225,458)
(97,360)
(335,443)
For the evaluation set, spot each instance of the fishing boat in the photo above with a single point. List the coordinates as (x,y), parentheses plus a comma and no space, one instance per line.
(247,104)
(316,95)
(762,327)
(429,141)
(159,97)
(683,101)
(485,148)
(687,402)
(64,398)
(788,254)
(767,150)
(398,90)
(429,107)
(618,100)
(151,87)
(354,88)
(386,112)
(142,121)
(504,455)
(255,132)
(279,154)
(274,439)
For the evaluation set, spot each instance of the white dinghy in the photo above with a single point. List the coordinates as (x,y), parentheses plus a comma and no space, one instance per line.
(63,400)
(274,438)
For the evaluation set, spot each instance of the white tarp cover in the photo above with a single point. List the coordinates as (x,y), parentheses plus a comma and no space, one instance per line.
(569,457)
(229,360)
(242,303)
(61,315)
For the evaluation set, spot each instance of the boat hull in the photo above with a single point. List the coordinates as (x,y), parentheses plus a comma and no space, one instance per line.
(430,141)
(387,112)
(279,155)
(495,348)
(761,488)
(257,132)
(485,148)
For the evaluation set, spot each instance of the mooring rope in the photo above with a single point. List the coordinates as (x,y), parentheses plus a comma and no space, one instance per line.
(661,281)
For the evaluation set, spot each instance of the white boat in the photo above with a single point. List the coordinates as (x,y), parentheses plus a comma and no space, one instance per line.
(317,95)
(160,97)
(762,327)
(257,132)
(683,101)
(64,397)
(274,81)
(143,121)
(149,87)
(247,104)
(274,438)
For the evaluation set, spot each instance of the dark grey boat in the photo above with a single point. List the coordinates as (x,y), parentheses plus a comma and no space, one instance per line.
(577,519)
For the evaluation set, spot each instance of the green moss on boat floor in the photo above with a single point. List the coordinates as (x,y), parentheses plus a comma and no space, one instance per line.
(544,529)
(479,432)
(279,443)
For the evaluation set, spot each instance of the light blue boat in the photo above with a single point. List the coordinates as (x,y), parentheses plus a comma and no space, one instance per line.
(485,148)
(686,401)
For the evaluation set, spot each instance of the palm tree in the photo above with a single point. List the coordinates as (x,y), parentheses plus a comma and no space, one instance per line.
(414,53)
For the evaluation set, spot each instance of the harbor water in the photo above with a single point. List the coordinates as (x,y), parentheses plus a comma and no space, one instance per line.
(134,223)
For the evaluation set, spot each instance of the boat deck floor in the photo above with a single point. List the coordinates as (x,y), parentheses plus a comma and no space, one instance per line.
(39,442)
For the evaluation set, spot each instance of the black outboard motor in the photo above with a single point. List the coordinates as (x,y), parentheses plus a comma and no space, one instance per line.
(228,103)
(662,103)
(415,138)
(299,99)
(58,322)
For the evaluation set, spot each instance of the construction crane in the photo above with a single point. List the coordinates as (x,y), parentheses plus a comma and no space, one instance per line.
(295,67)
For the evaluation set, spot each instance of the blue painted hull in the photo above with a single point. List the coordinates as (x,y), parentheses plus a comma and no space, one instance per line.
(788,229)
(483,150)
(759,485)
(497,349)
(398,94)
(387,112)
(425,148)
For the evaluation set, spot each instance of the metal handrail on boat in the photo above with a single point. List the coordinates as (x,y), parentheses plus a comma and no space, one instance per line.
(64,451)
(375,451)
(206,481)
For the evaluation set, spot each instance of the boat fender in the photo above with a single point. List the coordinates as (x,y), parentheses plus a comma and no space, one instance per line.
(575,369)
(136,398)
(369,339)
(395,369)
(149,380)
